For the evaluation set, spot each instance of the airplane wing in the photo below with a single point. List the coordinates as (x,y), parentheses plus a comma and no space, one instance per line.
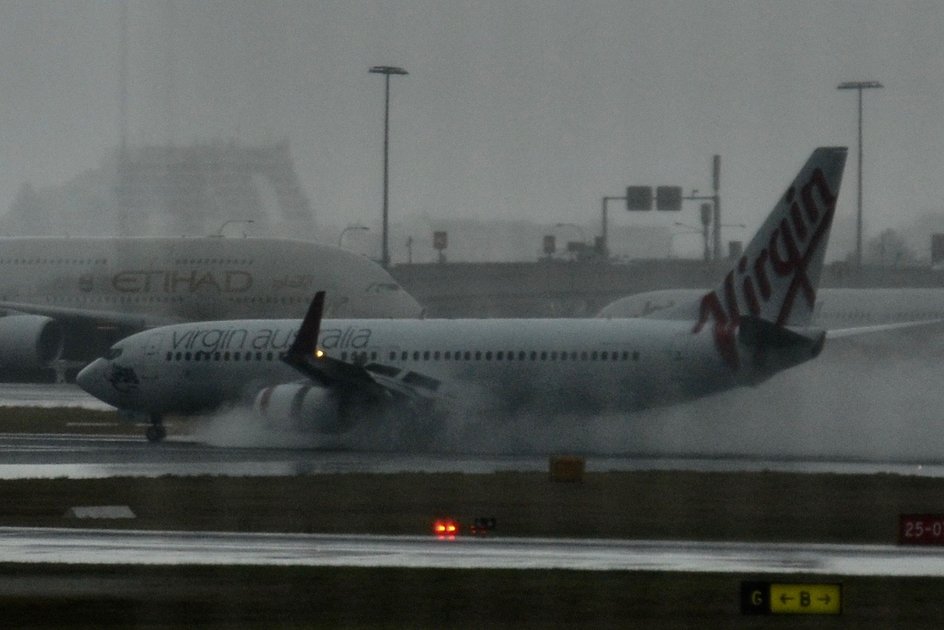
(135,321)
(370,380)
(843,333)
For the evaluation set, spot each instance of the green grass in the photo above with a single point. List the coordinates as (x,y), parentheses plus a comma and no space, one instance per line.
(643,504)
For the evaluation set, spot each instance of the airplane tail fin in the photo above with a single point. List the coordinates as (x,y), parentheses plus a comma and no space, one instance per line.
(776,278)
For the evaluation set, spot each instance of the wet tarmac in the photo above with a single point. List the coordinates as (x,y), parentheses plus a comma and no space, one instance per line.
(95,546)
(89,457)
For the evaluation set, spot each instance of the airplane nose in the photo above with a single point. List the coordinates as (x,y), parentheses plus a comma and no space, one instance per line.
(92,378)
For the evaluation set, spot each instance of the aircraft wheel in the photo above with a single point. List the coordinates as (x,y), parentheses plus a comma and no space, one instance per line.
(156,432)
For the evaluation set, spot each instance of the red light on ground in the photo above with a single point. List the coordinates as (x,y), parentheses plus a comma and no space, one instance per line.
(445,528)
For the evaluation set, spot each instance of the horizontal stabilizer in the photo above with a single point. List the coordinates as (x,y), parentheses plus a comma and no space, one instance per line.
(773,348)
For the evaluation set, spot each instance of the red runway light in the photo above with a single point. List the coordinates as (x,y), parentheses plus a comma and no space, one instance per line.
(445,528)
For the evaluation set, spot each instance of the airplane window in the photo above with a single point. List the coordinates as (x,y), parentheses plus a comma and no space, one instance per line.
(216,356)
(416,355)
(426,355)
(499,355)
(563,356)
(187,356)
(478,355)
(534,355)
(268,356)
(373,356)
(604,355)
(593,356)
(467,356)
(177,356)
(169,356)
(226,356)
(436,355)
(554,356)
(488,355)
(522,355)
(583,355)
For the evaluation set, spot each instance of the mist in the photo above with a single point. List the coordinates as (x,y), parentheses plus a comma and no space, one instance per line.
(513,111)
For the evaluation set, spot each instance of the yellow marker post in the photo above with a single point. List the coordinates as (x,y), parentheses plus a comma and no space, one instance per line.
(806,599)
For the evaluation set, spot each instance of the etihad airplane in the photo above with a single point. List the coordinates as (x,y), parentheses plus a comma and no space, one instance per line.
(70,298)
(835,308)
(322,374)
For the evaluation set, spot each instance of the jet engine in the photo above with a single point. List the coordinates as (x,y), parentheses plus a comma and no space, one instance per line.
(29,341)
(301,407)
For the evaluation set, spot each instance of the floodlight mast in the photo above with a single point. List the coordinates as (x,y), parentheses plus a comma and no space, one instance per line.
(859,86)
(386,71)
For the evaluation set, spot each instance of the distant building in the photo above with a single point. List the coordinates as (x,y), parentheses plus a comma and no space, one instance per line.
(170,190)
(502,240)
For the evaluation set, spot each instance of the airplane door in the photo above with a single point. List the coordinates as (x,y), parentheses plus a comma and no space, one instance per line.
(152,350)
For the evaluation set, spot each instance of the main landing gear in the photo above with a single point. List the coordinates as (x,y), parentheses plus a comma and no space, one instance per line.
(156,431)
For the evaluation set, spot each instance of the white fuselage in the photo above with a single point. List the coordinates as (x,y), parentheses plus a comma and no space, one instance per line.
(550,364)
(167,280)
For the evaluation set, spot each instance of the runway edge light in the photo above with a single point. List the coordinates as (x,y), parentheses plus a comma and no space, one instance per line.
(445,528)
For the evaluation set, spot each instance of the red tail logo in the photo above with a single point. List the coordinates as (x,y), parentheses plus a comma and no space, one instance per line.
(750,282)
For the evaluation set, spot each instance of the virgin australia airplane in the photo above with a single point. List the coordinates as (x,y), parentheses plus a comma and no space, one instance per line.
(322,374)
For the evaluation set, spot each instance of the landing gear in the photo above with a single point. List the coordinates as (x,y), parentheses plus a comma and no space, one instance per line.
(156,432)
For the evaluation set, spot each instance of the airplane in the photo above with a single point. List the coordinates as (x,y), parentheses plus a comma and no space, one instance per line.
(67,300)
(835,308)
(325,374)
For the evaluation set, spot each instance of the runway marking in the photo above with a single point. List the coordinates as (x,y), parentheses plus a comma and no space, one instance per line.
(108,547)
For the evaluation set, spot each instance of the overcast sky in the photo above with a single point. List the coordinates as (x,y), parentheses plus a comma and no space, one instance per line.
(524,110)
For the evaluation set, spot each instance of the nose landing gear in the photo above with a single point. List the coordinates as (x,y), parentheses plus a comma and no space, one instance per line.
(156,431)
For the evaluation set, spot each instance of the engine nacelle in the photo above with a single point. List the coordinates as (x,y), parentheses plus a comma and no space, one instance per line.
(29,341)
(301,407)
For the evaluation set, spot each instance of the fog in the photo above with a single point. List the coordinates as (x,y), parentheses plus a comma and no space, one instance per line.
(529,111)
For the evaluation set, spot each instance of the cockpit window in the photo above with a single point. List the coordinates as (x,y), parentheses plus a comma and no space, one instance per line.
(113,353)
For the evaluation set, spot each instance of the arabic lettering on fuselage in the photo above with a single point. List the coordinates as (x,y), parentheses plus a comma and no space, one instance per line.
(275,338)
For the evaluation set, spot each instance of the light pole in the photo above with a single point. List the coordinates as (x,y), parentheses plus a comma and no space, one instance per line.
(859,86)
(386,71)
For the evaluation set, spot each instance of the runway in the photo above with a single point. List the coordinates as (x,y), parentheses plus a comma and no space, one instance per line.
(47,395)
(74,456)
(110,547)
(217,451)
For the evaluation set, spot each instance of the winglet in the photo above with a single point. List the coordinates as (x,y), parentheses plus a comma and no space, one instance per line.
(306,341)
